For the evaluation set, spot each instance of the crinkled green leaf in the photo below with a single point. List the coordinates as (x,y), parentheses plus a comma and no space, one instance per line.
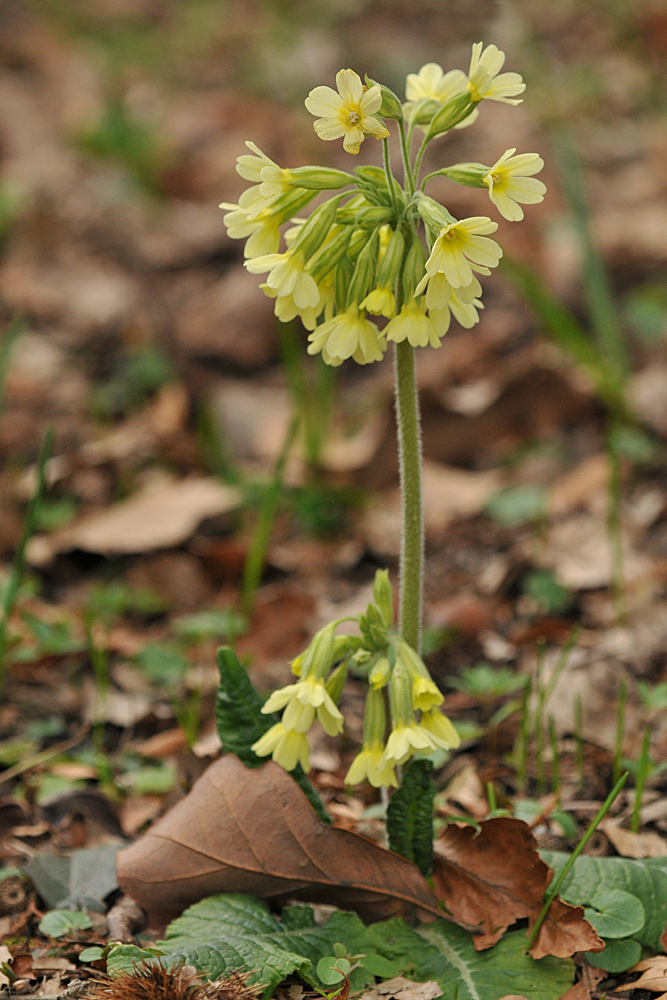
(231,931)
(615,914)
(238,715)
(410,816)
(647,880)
(444,952)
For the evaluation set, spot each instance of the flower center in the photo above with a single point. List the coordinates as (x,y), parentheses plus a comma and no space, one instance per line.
(451,235)
(354,117)
(495,178)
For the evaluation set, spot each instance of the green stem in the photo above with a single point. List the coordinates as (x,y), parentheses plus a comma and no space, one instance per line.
(553,891)
(409,179)
(412,522)
(614,526)
(420,157)
(390,176)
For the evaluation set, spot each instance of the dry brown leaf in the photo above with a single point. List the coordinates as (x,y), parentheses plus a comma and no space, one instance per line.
(492,878)
(590,977)
(654,975)
(253,831)
(583,487)
(160,517)
(403,989)
(635,845)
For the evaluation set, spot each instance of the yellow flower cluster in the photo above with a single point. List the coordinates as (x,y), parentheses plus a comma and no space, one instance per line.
(360,271)
(417,724)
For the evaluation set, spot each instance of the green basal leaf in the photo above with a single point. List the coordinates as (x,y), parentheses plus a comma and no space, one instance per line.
(57,923)
(410,816)
(615,914)
(617,955)
(444,952)
(238,715)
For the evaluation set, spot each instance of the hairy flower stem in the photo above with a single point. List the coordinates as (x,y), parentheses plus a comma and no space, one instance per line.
(412,520)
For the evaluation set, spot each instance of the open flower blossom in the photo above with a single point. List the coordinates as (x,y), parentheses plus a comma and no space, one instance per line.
(510,180)
(347,335)
(369,764)
(348,114)
(461,243)
(441,299)
(380,302)
(413,324)
(484,81)
(441,729)
(432,83)
(261,229)
(301,702)
(288,276)
(286,746)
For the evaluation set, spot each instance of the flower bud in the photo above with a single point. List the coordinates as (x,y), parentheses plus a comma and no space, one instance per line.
(451,114)
(390,265)
(358,241)
(320,178)
(470,174)
(347,212)
(342,279)
(425,693)
(290,204)
(414,269)
(391,107)
(336,682)
(344,645)
(380,673)
(330,253)
(373,629)
(422,111)
(434,215)
(400,696)
(361,658)
(375,718)
(383,595)
(315,231)
(374,215)
(364,272)
(319,655)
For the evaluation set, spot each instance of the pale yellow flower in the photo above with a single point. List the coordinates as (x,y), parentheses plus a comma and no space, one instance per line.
(347,335)
(465,311)
(432,83)
(441,298)
(301,702)
(369,765)
(405,740)
(348,114)
(412,324)
(288,276)
(262,230)
(461,243)
(286,309)
(380,302)
(250,167)
(287,747)
(484,81)
(441,729)
(510,180)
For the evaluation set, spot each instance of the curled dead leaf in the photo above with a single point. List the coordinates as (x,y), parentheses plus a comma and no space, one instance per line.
(492,878)
(253,831)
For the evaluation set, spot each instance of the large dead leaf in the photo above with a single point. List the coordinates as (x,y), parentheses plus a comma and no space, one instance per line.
(648,844)
(654,975)
(489,880)
(162,516)
(253,831)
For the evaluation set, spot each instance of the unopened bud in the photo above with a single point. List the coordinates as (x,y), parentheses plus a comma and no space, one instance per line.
(363,278)
(380,673)
(358,241)
(434,215)
(319,655)
(290,204)
(391,107)
(414,269)
(346,213)
(320,178)
(392,259)
(314,232)
(374,215)
(342,279)
(470,174)
(383,595)
(451,114)
(375,718)
(373,629)
(330,253)
(400,696)
(336,682)
(422,111)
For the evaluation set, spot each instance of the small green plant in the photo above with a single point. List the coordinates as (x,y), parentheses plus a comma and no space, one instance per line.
(487,683)
(122,138)
(138,377)
(549,595)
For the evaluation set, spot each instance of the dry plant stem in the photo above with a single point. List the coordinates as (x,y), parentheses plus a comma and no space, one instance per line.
(553,891)
(42,757)
(412,519)
(620,728)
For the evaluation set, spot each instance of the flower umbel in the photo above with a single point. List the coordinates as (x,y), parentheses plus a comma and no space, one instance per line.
(461,244)
(348,114)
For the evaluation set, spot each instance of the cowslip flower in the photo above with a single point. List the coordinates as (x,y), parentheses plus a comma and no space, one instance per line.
(347,335)
(288,276)
(441,299)
(440,727)
(425,693)
(460,243)
(302,701)
(413,324)
(484,83)
(260,229)
(286,746)
(380,302)
(510,180)
(407,736)
(432,83)
(369,764)
(348,114)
